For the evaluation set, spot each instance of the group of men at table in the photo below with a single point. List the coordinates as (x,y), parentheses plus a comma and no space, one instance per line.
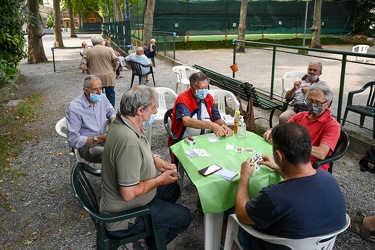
(292,208)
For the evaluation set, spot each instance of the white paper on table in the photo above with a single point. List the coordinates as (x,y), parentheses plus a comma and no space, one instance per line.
(226,174)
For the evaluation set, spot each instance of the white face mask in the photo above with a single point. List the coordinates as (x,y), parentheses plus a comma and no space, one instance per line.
(312,78)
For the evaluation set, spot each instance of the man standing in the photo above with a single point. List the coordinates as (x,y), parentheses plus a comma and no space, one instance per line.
(129,172)
(323,129)
(307,203)
(86,119)
(140,57)
(103,63)
(194,111)
(296,96)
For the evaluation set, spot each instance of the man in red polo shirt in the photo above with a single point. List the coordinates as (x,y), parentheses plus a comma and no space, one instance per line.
(324,130)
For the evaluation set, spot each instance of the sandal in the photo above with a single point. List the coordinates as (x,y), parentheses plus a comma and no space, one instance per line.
(356,226)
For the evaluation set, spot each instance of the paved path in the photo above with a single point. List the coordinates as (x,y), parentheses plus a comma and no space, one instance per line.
(62,86)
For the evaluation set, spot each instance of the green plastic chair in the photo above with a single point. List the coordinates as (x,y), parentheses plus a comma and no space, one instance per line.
(85,195)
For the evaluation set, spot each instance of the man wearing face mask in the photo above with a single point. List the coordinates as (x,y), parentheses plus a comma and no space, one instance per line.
(296,96)
(194,111)
(322,127)
(86,119)
(129,172)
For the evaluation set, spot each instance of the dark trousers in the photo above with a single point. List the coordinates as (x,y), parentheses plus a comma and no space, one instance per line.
(165,215)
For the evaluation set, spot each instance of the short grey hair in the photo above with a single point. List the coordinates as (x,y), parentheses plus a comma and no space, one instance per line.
(138,96)
(139,50)
(319,64)
(327,92)
(96,39)
(197,77)
(88,79)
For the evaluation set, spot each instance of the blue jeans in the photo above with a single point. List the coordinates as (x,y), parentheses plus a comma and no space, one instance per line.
(165,215)
(111,94)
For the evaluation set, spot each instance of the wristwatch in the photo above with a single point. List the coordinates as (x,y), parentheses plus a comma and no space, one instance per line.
(95,140)
(156,155)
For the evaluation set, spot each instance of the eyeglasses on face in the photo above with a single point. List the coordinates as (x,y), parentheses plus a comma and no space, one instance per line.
(314,70)
(316,103)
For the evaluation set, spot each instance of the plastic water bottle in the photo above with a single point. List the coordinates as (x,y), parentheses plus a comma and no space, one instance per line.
(236,119)
(241,128)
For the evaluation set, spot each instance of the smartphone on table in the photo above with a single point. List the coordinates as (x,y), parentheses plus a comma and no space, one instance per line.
(209,170)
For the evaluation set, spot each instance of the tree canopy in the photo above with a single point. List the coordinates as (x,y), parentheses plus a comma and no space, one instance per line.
(11,38)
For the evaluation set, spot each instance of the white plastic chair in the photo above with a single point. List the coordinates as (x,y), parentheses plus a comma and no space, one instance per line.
(221,96)
(162,106)
(360,49)
(288,80)
(326,241)
(183,77)
(61,129)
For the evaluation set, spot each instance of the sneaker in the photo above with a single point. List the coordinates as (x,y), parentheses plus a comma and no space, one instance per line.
(147,81)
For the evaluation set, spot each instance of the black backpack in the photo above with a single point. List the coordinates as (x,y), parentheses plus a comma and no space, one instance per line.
(367,163)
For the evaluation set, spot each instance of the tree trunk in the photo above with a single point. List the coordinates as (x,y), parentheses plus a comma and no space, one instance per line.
(242,26)
(71,18)
(316,27)
(34,31)
(119,16)
(148,22)
(58,42)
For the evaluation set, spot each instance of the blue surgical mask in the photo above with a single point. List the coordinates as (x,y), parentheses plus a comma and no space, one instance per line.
(95,97)
(149,122)
(314,109)
(313,78)
(201,93)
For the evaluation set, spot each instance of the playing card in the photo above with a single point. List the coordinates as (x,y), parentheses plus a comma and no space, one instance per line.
(229,147)
(191,153)
(212,138)
(249,150)
(239,149)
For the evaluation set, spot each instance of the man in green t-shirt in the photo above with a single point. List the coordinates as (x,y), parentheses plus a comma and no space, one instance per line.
(129,171)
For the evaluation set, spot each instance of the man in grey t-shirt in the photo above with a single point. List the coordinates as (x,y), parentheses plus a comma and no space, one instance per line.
(296,96)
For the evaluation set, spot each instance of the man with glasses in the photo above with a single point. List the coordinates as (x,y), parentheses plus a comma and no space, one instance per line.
(86,119)
(322,127)
(296,96)
(194,111)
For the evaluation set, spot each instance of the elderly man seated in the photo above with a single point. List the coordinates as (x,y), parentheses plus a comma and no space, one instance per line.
(140,57)
(322,127)
(86,119)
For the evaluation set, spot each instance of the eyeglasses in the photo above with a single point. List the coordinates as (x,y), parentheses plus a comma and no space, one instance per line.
(314,70)
(316,103)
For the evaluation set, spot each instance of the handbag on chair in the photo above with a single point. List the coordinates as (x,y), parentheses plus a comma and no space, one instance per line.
(367,163)
(248,115)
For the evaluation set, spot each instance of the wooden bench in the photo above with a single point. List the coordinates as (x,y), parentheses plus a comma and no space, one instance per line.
(231,84)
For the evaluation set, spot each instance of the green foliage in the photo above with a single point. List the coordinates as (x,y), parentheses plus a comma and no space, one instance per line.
(11,38)
(365,17)
(51,20)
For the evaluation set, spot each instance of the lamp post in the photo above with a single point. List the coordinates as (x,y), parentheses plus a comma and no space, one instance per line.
(304,29)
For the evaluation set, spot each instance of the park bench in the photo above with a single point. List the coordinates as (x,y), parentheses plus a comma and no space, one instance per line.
(231,84)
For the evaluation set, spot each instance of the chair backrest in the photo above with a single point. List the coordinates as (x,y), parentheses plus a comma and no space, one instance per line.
(340,150)
(322,242)
(288,80)
(181,72)
(162,91)
(137,68)
(167,125)
(82,188)
(360,49)
(61,128)
(221,96)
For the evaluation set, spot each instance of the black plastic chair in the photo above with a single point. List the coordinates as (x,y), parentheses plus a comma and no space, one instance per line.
(85,195)
(137,71)
(340,150)
(363,110)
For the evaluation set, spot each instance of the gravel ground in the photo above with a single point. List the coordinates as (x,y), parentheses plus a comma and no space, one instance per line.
(47,216)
